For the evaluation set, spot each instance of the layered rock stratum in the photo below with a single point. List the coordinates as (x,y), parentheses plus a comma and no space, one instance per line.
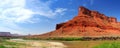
(86,23)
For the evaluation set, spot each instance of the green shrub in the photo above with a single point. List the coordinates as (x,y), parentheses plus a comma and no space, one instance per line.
(65,39)
(109,45)
(32,38)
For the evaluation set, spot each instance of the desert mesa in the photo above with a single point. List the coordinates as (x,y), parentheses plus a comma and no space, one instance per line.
(88,23)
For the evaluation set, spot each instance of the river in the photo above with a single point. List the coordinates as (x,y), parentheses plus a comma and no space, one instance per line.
(38,43)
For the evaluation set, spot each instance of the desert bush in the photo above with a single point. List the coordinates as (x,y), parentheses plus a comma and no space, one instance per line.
(65,38)
(31,38)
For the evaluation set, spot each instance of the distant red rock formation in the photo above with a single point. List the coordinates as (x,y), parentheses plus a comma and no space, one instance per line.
(5,34)
(87,23)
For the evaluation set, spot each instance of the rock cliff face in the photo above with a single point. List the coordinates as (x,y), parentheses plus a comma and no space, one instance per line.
(87,23)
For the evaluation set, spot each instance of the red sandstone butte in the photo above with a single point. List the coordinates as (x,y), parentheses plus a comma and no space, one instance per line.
(87,23)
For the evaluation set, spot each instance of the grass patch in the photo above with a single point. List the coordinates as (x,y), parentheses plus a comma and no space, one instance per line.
(11,43)
(1,46)
(108,45)
(4,43)
(92,44)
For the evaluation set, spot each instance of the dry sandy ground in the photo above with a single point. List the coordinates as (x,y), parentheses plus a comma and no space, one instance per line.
(38,44)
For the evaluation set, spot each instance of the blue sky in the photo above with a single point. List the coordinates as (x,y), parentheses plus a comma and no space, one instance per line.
(41,16)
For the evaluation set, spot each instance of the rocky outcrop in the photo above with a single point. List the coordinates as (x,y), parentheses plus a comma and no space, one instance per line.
(5,34)
(87,23)
(58,26)
(84,11)
(112,19)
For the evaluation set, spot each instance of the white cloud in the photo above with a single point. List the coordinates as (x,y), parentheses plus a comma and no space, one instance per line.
(60,10)
(13,12)
(88,2)
(23,11)
(44,9)
(17,14)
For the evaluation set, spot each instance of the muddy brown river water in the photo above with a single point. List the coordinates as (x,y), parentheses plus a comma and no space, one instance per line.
(38,43)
